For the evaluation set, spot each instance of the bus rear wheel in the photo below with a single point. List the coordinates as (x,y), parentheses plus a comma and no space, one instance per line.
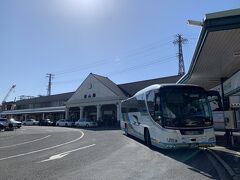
(147,138)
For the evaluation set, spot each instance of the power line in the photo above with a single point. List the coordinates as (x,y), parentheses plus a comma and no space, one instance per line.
(155,61)
(161,61)
(99,64)
(135,52)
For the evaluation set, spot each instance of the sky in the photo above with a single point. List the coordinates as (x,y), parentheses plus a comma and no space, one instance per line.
(125,40)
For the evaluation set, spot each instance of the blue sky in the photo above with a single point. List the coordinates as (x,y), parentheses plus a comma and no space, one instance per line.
(126,40)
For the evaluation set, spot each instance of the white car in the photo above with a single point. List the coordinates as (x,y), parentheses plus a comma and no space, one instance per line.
(85,123)
(30,122)
(64,122)
(16,124)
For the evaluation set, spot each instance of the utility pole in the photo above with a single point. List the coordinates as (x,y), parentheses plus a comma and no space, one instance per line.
(180,41)
(49,89)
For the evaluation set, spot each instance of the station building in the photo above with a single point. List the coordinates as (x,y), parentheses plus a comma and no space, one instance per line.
(43,107)
(97,98)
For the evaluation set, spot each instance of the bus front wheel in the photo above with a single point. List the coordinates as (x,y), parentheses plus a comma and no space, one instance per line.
(147,138)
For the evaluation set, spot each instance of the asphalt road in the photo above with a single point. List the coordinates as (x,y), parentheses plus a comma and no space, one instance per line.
(67,153)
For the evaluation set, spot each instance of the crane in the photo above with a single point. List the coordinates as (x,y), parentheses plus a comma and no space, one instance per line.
(9,92)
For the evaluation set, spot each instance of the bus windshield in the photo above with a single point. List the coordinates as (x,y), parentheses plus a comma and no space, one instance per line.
(185,106)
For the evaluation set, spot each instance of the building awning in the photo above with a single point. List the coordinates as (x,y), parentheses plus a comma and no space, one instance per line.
(36,110)
(217,55)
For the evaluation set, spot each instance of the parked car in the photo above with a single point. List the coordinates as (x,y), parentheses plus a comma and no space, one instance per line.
(65,122)
(16,124)
(85,123)
(45,122)
(6,123)
(30,122)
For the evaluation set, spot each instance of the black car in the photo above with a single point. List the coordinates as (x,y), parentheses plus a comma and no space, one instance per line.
(45,122)
(2,127)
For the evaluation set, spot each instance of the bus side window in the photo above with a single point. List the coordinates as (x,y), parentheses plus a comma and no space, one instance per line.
(157,108)
(141,104)
(153,103)
(150,97)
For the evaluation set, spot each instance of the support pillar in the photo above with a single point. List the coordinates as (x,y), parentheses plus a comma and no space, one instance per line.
(118,113)
(228,132)
(25,116)
(99,116)
(81,108)
(66,113)
(43,116)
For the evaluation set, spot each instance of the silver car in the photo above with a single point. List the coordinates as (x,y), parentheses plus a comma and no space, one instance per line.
(30,122)
(85,123)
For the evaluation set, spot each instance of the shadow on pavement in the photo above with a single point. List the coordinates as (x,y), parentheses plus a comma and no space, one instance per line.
(101,128)
(230,156)
(194,158)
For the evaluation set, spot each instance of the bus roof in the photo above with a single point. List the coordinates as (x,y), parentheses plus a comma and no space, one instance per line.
(157,86)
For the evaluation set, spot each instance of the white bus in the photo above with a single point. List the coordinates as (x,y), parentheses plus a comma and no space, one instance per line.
(169,116)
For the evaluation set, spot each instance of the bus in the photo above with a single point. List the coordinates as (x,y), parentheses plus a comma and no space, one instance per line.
(169,116)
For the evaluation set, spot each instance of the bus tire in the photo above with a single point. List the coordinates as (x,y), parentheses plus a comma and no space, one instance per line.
(126,130)
(147,138)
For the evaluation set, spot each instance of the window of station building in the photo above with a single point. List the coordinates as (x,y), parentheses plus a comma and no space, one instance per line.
(85,96)
(89,96)
(94,95)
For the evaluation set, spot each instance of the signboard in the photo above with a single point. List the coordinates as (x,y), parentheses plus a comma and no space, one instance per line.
(230,86)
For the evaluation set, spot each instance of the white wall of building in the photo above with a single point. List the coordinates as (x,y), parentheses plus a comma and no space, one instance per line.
(91,86)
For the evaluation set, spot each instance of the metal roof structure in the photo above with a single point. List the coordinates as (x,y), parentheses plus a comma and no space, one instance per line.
(35,110)
(111,85)
(132,88)
(56,97)
(217,54)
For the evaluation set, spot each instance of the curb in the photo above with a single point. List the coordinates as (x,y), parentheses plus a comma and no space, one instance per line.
(224,164)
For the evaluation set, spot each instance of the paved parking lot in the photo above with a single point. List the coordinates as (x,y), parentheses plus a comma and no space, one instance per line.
(34,152)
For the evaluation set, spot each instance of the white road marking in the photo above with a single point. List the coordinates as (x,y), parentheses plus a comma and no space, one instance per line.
(40,150)
(61,155)
(25,142)
(54,157)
